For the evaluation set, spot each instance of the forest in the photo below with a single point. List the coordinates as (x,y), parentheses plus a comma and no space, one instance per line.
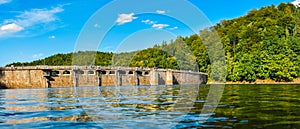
(264,44)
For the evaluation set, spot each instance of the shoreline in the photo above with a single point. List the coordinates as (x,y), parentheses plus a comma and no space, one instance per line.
(258,81)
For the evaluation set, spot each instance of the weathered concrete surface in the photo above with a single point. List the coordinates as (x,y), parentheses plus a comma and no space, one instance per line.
(61,76)
(22,79)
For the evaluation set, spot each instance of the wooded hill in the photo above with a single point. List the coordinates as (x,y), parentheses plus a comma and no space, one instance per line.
(264,44)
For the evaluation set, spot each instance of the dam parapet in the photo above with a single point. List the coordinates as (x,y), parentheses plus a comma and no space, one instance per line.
(63,76)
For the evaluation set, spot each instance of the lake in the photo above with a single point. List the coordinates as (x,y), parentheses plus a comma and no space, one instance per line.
(241,106)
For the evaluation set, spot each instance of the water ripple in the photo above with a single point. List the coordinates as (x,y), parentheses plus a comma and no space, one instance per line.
(242,106)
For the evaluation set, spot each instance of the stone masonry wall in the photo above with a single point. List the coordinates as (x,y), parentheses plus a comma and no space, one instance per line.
(65,76)
(22,79)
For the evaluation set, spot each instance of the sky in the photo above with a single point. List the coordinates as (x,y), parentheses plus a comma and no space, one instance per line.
(35,29)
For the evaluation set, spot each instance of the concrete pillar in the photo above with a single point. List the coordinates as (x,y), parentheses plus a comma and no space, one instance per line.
(99,81)
(203,78)
(198,78)
(136,77)
(154,77)
(169,77)
(187,78)
(118,78)
(99,78)
(29,77)
(47,80)
(75,78)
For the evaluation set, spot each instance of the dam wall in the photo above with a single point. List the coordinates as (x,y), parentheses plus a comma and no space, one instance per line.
(64,76)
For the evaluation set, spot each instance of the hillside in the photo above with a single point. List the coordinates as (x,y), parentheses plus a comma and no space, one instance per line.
(264,44)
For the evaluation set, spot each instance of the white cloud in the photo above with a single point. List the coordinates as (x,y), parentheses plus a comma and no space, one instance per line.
(173,28)
(159,26)
(38,16)
(96,25)
(5,1)
(34,18)
(125,18)
(296,2)
(148,21)
(160,11)
(11,28)
(37,55)
(52,37)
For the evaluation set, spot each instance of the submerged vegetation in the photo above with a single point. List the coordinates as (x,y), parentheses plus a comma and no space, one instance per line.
(264,44)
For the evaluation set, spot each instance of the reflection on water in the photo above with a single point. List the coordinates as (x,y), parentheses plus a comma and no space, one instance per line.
(242,106)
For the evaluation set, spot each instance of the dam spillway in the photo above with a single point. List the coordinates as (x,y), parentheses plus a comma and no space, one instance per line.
(64,76)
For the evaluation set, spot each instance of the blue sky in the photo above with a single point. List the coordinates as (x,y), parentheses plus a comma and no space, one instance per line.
(35,29)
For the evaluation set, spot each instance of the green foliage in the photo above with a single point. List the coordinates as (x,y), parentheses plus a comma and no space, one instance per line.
(263,44)
(154,57)
(78,58)
(123,59)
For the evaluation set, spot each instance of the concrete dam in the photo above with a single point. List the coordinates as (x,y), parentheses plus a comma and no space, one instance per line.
(63,76)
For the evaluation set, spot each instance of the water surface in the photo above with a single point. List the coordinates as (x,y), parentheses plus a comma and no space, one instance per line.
(241,106)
